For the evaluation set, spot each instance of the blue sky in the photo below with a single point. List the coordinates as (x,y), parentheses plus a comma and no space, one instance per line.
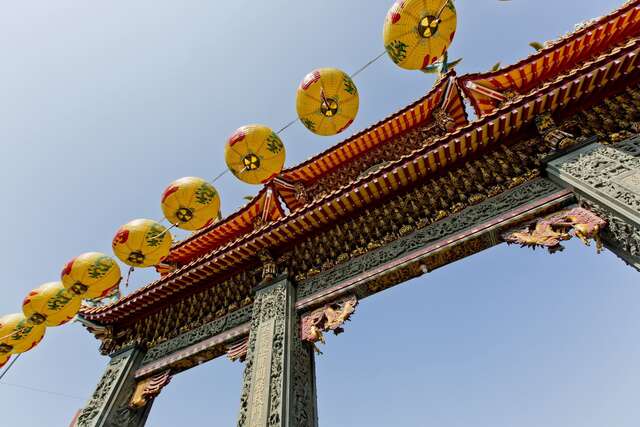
(103,104)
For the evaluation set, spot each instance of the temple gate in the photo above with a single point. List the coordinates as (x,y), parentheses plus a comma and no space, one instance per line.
(554,153)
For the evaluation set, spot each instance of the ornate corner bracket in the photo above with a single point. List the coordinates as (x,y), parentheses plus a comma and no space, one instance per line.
(269,267)
(550,231)
(148,389)
(238,350)
(330,317)
(552,135)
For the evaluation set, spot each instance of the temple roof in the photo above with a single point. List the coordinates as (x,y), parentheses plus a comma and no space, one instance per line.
(263,208)
(266,206)
(487,91)
(563,91)
(444,96)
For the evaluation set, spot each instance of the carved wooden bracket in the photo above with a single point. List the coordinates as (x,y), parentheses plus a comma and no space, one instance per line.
(301,193)
(329,317)
(549,231)
(166,267)
(551,134)
(442,121)
(269,268)
(238,350)
(148,389)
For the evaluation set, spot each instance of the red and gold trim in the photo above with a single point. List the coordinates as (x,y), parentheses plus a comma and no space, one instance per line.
(264,206)
(487,91)
(619,65)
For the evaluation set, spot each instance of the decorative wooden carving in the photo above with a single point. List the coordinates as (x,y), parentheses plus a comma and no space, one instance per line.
(330,317)
(555,137)
(238,350)
(148,389)
(269,268)
(550,231)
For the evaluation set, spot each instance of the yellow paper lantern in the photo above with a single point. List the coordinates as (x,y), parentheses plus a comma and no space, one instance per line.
(18,335)
(142,243)
(4,358)
(51,304)
(91,275)
(418,32)
(327,101)
(191,203)
(254,154)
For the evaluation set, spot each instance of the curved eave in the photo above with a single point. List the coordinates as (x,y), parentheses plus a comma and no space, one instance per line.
(265,204)
(565,91)
(445,95)
(550,62)
(407,118)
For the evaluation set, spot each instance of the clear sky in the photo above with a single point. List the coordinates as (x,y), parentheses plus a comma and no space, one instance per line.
(102,104)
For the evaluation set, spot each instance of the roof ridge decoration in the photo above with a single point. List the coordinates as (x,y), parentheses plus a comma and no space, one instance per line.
(566,90)
(487,91)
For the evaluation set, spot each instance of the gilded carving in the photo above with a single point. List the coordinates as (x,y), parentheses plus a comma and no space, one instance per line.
(330,317)
(201,333)
(550,231)
(148,389)
(475,214)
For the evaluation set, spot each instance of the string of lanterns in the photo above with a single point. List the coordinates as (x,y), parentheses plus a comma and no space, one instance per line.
(417,34)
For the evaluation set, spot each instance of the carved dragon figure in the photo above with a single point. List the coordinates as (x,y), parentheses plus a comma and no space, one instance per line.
(329,317)
(553,229)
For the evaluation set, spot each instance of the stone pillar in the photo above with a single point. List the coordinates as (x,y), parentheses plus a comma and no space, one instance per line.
(606,180)
(109,405)
(279,378)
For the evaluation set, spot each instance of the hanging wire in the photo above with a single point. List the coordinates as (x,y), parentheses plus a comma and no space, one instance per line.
(292,122)
(39,390)
(10,365)
(285,127)
(220,175)
(365,66)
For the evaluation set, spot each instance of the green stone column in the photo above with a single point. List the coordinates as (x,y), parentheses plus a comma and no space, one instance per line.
(279,379)
(109,405)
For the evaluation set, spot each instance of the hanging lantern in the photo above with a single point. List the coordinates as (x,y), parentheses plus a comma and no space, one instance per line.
(191,203)
(254,154)
(51,304)
(142,243)
(327,101)
(18,335)
(418,32)
(4,358)
(91,275)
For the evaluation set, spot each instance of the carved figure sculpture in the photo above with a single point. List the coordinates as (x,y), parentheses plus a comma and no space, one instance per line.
(553,229)
(329,317)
